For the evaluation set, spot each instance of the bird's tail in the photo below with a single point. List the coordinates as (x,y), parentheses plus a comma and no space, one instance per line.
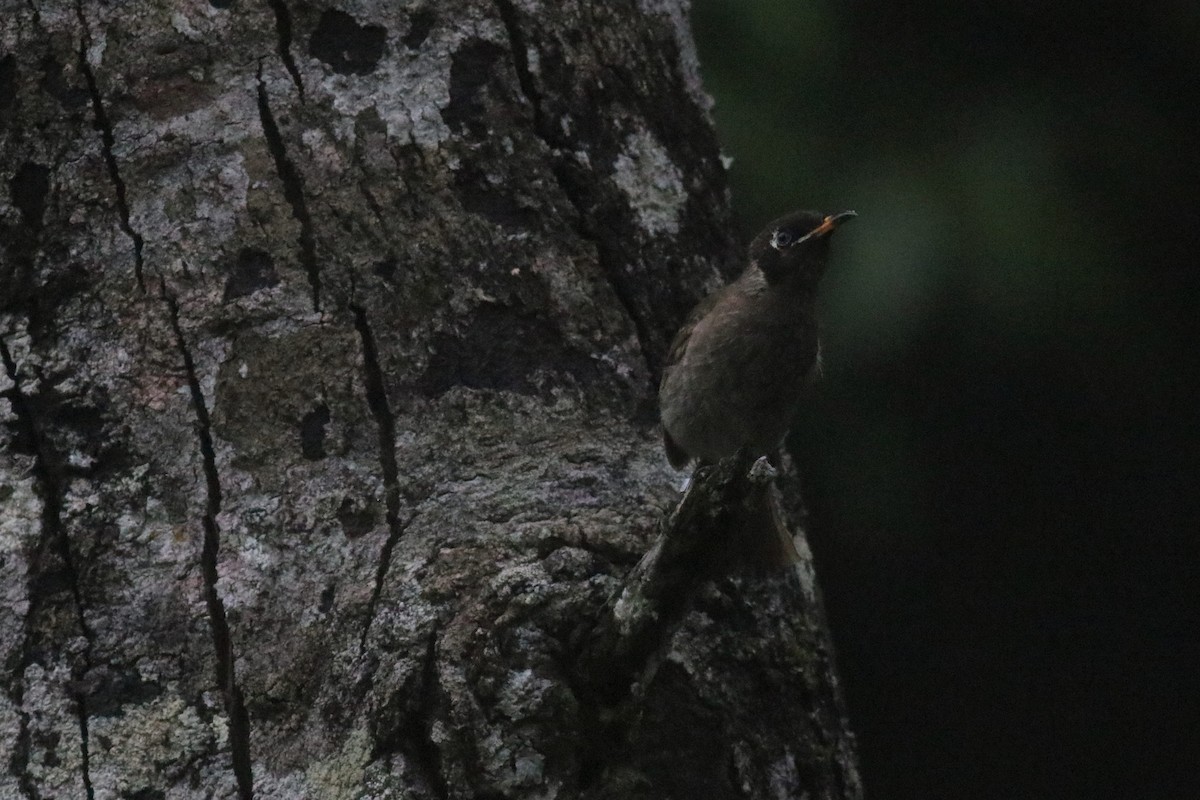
(760,534)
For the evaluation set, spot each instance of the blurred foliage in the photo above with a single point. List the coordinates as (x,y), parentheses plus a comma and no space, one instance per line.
(1001,454)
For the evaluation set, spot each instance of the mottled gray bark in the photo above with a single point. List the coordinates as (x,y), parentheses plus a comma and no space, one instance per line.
(327,428)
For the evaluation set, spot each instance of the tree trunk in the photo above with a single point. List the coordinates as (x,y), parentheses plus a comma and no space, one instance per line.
(327,426)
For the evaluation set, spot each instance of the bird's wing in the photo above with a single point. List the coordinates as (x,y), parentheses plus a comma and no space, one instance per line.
(680,343)
(676,454)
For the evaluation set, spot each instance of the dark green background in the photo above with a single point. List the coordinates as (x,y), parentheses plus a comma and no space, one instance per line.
(1000,457)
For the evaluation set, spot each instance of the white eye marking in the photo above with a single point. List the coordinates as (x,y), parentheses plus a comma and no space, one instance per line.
(781,239)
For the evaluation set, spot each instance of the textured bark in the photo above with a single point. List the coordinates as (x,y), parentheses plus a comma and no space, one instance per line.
(327,431)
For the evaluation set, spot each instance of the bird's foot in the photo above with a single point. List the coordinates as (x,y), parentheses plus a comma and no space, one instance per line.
(762,471)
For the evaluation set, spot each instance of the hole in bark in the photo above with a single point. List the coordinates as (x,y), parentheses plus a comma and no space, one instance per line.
(347,47)
(253,270)
(356,519)
(57,288)
(419,26)
(312,432)
(470,70)
(28,189)
(149,794)
(326,601)
(49,743)
(386,269)
(55,84)
(493,203)
(118,689)
(8,81)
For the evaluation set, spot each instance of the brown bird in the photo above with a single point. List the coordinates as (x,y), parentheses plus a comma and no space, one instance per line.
(738,365)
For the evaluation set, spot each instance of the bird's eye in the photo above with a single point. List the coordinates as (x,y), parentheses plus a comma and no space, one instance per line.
(781,239)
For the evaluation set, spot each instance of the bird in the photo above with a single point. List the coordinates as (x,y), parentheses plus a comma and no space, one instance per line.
(737,368)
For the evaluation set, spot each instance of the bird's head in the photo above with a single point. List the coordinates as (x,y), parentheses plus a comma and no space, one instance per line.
(793,250)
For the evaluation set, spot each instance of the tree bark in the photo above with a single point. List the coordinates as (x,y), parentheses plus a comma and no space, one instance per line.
(327,427)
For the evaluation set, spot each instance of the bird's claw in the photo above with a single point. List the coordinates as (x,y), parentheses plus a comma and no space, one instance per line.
(762,471)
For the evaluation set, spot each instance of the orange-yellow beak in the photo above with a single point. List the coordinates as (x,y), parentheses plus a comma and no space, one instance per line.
(831,222)
(827,225)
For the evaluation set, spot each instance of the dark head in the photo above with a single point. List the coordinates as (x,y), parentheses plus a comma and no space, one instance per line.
(793,249)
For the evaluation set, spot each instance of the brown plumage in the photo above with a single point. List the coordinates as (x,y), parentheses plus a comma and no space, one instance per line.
(738,365)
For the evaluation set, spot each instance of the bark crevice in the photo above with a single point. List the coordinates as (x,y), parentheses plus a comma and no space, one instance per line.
(18,764)
(575,192)
(283,32)
(103,126)
(293,191)
(419,728)
(48,473)
(235,705)
(385,423)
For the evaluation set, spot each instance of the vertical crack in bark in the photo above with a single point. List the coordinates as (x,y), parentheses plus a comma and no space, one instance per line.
(18,765)
(574,190)
(386,424)
(103,126)
(293,191)
(373,205)
(419,728)
(48,472)
(283,29)
(611,267)
(235,705)
(84,744)
(516,41)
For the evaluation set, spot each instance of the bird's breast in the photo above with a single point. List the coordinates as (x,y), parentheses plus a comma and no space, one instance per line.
(740,377)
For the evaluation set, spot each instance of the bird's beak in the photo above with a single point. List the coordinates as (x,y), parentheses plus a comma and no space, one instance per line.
(832,221)
(828,225)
